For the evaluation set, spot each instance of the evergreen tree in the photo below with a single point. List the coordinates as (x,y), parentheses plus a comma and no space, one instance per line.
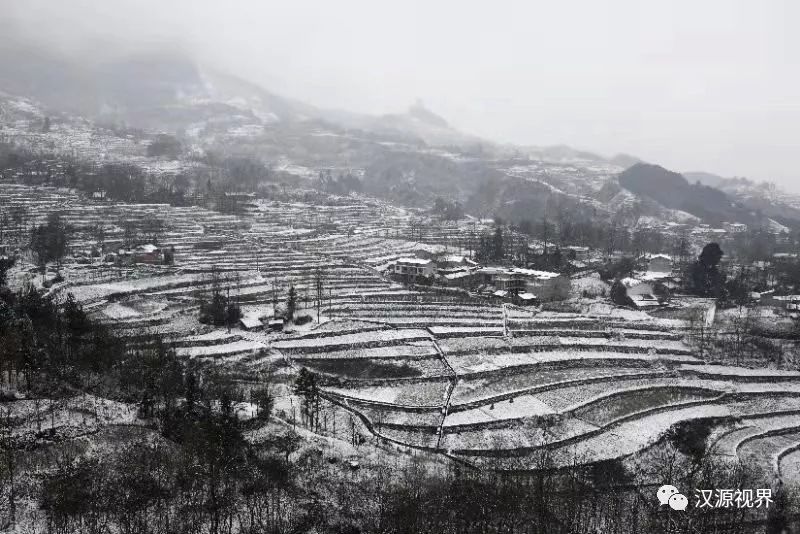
(5,265)
(306,386)
(497,244)
(49,240)
(619,294)
(704,277)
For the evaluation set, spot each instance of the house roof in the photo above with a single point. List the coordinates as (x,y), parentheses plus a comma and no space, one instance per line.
(541,275)
(414,261)
(250,322)
(654,275)
(457,275)
(644,300)
(491,270)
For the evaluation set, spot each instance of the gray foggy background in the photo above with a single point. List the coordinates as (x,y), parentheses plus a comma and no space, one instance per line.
(692,85)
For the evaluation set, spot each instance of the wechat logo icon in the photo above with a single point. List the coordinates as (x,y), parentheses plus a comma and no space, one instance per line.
(670,495)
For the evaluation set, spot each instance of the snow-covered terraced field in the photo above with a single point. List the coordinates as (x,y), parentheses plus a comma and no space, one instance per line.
(578,386)
(444,318)
(491,384)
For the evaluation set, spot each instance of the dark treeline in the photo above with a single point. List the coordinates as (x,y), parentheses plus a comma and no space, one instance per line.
(509,241)
(207,181)
(341,184)
(222,485)
(47,346)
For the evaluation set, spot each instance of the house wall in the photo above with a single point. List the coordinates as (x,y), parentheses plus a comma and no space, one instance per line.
(641,289)
(660,265)
(510,283)
(546,290)
(413,270)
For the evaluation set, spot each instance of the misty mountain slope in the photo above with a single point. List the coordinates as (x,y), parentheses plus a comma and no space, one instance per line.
(764,197)
(562,154)
(240,93)
(167,91)
(416,177)
(408,157)
(180,94)
(171,92)
(47,77)
(417,125)
(517,199)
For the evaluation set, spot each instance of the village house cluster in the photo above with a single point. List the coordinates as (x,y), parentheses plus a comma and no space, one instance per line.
(522,286)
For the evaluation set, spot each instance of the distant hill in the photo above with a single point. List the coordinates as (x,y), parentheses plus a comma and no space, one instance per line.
(672,190)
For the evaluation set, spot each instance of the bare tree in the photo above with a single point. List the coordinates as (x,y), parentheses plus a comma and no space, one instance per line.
(319,287)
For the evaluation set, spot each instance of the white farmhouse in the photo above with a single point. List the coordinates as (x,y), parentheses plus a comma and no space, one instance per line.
(413,268)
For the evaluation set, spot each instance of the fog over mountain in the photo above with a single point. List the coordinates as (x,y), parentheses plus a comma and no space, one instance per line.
(707,87)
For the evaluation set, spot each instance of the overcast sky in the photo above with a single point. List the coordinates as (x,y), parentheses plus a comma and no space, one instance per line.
(708,85)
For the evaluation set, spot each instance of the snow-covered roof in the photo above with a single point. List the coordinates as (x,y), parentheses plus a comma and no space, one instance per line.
(413,261)
(542,275)
(147,249)
(500,293)
(250,322)
(653,275)
(457,275)
(644,300)
(527,296)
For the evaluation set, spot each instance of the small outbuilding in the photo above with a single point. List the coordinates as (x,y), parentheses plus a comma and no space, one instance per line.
(250,323)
